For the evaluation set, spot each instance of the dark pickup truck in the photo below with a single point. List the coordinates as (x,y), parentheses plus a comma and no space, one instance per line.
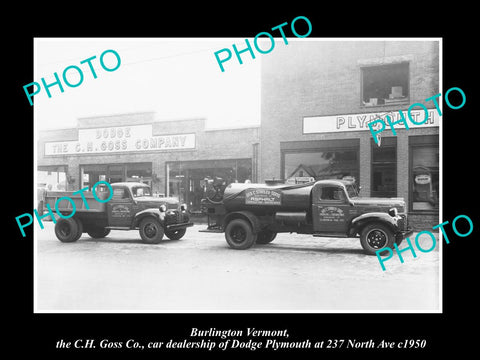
(131,207)
(255,213)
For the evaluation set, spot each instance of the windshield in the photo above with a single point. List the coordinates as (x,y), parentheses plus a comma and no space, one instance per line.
(351,190)
(138,191)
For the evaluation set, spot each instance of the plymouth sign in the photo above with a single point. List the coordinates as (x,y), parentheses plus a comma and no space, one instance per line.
(359,122)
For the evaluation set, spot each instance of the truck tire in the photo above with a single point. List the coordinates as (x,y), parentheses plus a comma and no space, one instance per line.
(79,228)
(376,236)
(175,234)
(266,237)
(151,231)
(98,232)
(67,230)
(239,234)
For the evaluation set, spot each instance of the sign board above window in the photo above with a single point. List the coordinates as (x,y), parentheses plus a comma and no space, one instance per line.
(359,122)
(120,139)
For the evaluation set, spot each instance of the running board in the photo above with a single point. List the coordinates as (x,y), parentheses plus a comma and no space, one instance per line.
(211,231)
(337,235)
(118,228)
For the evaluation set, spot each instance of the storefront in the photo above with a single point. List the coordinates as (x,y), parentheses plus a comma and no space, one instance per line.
(188,180)
(316,105)
(136,147)
(329,159)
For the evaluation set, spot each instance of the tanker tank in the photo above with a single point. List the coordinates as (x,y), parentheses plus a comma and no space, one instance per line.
(263,198)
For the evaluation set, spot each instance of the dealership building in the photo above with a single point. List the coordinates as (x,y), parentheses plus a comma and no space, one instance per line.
(174,157)
(317,97)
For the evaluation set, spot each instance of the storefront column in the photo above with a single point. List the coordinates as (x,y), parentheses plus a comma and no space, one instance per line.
(73,174)
(365,165)
(158,177)
(255,163)
(403,162)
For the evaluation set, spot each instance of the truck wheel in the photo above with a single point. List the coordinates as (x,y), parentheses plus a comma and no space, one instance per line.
(239,234)
(375,237)
(79,228)
(98,233)
(67,230)
(151,231)
(266,237)
(175,234)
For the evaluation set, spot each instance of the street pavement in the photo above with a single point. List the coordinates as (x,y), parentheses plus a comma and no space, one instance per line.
(200,273)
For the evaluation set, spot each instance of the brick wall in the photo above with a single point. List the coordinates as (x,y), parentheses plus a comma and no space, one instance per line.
(209,145)
(309,78)
(423,221)
(319,78)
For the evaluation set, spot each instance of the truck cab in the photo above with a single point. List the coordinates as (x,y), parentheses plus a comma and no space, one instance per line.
(131,206)
(129,199)
(255,213)
(331,208)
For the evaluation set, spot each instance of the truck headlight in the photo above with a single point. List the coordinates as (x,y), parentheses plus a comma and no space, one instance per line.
(183,207)
(393,212)
(163,208)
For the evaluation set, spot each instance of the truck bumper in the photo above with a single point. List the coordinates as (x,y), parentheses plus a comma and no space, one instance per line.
(178,226)
(403,234)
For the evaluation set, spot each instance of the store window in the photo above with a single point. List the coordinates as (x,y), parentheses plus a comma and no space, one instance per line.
(384,168)
(385,84)
(424,174)
(301,165)
(188,181)
(52,177)
(139,172)
(130,172)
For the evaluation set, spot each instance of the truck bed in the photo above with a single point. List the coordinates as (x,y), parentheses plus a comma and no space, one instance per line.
(65,206)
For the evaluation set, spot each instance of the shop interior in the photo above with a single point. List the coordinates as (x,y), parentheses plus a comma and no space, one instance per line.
(188,181)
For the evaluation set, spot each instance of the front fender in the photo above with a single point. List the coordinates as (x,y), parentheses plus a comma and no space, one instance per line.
(156,213)
(360,221)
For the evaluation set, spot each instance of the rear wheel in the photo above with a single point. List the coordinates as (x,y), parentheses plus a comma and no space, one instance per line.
(68,230)
(266,237)
(239,234)
(79,228)
(375,237)
(151,231)
(175,234)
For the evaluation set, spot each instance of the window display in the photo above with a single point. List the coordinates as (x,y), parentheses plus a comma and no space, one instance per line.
(384,169)
(330,164)
(385,84)
(188,181)
(425,177)
(130,172)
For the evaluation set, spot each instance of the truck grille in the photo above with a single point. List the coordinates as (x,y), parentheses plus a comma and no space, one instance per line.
(171,206)
(175,217)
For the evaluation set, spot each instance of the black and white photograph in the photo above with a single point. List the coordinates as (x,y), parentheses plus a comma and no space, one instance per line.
(241,182)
